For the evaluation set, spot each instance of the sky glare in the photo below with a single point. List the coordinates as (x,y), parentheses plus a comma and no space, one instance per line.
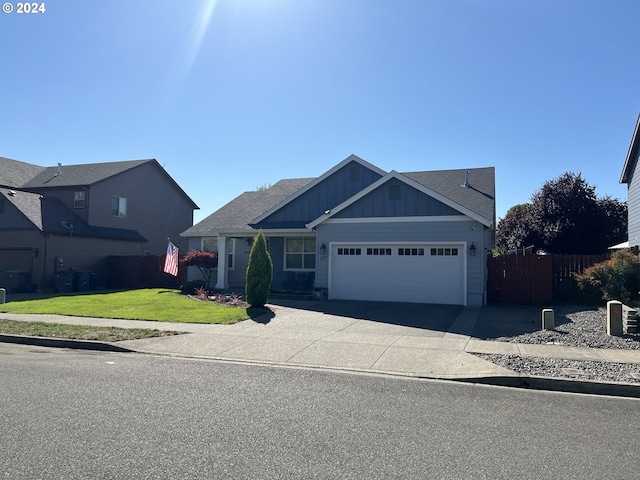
(230,95)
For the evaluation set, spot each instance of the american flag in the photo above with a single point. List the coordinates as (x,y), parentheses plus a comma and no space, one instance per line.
(171,260)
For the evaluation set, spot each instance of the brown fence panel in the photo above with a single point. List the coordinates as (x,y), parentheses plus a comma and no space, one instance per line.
(129,272)
(536,279)
(124,272)
(523,279)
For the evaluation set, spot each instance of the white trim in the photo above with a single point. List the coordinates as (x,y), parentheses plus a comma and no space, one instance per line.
(221,280)
(411,183)
(313,183)
(433,218)
(463,245)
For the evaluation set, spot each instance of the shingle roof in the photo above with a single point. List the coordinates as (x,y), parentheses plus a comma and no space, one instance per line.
(236,215)
(84,174)
(479,196)
(14,174)
(48,215)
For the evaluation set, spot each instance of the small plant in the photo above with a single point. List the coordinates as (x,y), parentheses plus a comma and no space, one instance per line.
(235,299)
(221,298)
(201,293)
(617,279)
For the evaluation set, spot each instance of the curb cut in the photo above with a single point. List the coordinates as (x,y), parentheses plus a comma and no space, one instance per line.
(64,343)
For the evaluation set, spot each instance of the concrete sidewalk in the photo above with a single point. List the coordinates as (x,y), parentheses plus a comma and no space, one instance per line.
(430,342)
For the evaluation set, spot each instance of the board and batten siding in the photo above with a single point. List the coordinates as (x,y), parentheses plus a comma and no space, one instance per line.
(404,201)
(633,202)
(444,231)
(330,192)
(155,207)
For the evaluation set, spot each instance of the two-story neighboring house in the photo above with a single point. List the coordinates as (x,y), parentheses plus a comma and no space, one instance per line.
(632,179)
(74,217)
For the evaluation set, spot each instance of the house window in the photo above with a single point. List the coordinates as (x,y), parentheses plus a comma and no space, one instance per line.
(119,207)
(300,253)
(79,199)
(210,244)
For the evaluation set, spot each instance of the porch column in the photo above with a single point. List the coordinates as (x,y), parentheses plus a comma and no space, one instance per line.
(222,281)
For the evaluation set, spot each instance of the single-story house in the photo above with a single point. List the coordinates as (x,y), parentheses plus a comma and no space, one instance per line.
(358,232)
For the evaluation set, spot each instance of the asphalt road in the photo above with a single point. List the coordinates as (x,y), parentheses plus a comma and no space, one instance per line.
(73,414)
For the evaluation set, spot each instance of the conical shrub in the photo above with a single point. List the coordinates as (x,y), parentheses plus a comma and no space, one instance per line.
(259,273)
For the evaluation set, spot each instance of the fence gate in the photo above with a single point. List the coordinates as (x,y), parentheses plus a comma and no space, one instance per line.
(524,279)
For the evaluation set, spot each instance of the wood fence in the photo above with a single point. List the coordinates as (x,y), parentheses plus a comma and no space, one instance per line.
(536,279)
(133,271)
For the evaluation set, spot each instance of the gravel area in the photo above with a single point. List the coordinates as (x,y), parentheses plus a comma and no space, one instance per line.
(575,327)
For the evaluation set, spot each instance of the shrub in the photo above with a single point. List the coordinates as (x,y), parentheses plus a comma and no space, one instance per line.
(259,273)
(205,261)
(191,288)
(617,279)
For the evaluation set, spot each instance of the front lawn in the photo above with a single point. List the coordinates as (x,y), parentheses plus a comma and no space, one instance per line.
(155,304)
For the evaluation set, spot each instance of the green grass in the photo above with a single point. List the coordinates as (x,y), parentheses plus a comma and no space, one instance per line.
(78,332)
(157,304)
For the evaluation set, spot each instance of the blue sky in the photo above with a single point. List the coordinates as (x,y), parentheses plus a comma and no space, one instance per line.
(230,95)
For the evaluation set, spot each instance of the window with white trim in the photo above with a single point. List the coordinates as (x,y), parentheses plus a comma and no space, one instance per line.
(119,207)
(299,253)
(79,199)
(210,244)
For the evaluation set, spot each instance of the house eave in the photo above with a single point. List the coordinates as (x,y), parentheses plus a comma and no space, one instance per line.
(631,154)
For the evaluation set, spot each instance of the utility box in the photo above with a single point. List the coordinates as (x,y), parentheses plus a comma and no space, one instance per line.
(63,282)
(614,318)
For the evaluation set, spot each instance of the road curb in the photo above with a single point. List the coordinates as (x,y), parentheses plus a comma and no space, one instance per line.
(559,385)
(63,343)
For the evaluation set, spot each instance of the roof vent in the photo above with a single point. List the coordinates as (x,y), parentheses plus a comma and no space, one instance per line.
(466,183)
(11,193)
(59,169)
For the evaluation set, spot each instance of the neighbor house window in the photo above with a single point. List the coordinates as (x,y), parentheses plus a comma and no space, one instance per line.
(210,244)
(300,254)
(119,207)
(79,199)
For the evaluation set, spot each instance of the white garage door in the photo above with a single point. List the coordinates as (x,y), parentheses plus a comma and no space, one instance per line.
(424,273)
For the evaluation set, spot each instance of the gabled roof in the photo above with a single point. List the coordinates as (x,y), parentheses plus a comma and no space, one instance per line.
(14,174)
(476,200)
(81,174)
(310,185)
(236,215)
(632,154)
(50,215)
(478,196)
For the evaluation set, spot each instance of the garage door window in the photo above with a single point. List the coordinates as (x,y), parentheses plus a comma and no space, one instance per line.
(349,251)
(300,254)
(447,252)
(378,251)
(410,251)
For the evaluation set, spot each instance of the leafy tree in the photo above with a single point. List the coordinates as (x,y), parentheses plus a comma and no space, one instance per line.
(259,273)
(205,261)
(565,216)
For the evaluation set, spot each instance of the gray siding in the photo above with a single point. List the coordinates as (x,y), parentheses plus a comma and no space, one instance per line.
(633,201)
(65,195)
(445,231)
(406,201)
(11,217)
(155,207)
(332,191)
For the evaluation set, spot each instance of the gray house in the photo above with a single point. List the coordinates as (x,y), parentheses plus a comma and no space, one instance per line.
(358,232)
(56,219)
(633,190)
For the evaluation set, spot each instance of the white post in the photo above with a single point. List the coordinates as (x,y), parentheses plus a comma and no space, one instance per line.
(548,319)
(614,318)
(221,282)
